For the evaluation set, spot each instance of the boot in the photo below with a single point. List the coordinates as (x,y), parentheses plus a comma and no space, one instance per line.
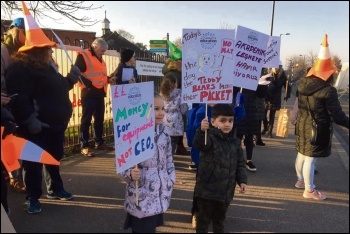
(269,133)
(181,150)
(259,142)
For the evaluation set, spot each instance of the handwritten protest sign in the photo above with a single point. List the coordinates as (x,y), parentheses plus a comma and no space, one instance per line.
(249,52)
(206,56)
(272,57)
(133,121)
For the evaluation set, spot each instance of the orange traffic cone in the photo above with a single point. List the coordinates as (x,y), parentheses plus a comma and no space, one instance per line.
(35,37)
(324,66)
(14,148)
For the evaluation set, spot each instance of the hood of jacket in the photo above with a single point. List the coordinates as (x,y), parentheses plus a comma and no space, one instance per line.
(309,85)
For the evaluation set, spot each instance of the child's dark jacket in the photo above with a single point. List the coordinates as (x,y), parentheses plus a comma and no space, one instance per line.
(221,166)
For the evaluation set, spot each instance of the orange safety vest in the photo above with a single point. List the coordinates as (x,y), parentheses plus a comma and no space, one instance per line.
(96,71)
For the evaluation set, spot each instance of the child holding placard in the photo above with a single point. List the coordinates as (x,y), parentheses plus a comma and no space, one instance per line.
(146,202)
(221,167)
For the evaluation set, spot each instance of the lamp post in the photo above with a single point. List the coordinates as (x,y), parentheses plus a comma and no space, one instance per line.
(284,34)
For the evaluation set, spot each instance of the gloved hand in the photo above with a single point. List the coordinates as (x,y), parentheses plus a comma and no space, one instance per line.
(74,74)
(239,99)
(34,125)
(9,128)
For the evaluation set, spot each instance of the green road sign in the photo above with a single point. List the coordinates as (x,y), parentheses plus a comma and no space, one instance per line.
(157,41)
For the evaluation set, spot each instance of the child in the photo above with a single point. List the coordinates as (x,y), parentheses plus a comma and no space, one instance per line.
(174,109)
(221,166)
(156,178)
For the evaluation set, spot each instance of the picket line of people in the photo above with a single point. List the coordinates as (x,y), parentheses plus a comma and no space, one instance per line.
(38,86)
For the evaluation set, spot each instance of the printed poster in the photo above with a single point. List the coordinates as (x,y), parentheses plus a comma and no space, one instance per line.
(133,121)
(207,55)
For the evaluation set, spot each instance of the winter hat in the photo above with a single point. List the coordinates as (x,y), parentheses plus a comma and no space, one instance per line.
(323,67)
(18,22)
(35,37)
(126,54)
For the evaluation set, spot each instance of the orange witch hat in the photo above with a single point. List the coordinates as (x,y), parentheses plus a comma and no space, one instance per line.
(14,148)
(35,37)
(324,66)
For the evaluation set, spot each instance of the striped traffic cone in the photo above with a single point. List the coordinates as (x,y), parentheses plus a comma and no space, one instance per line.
(35,37)
(324,66)
(14,148)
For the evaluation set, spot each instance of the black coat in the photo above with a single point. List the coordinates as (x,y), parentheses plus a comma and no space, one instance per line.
(250,123)
(43,91)
(326,109)
(274,92)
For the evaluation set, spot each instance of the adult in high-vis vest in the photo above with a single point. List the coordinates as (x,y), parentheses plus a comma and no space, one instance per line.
(93,86)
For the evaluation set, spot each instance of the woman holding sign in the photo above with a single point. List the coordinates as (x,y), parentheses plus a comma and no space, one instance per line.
(146,202)
(126,72)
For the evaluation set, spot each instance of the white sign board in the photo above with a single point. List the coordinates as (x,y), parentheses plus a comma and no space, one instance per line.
(249,51)
(207,55)
(133,121)
(272,57)
(149,69)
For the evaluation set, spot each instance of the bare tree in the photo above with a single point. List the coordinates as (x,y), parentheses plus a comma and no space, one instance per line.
(141,46)
(337,62)
(44,9)
(178,43)
(128,36)
(225,25)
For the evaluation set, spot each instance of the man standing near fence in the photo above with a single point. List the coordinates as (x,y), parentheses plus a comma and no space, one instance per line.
(93,86)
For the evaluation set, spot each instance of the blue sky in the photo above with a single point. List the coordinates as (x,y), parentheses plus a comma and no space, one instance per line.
(306,21)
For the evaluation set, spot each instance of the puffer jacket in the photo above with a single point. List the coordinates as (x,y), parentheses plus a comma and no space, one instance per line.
(157,180)
(221,166)
(324,104)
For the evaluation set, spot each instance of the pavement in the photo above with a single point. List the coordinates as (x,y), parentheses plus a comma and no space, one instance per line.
(271,205)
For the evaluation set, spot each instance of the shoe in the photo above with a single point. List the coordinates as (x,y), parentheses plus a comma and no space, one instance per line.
(33,206)
(317,195)
(181,150)
(260,142)
(193,167)
(62,195)
(17,185)
(250,166)
(269,134)
(103,146)
(300,184)
(194,220)
(86,152)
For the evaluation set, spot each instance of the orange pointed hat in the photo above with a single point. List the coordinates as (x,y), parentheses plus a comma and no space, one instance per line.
(323,67)
(35,37)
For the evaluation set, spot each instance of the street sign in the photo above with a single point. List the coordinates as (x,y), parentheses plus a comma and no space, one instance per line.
(158,45)
(157,41)
(158,50)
